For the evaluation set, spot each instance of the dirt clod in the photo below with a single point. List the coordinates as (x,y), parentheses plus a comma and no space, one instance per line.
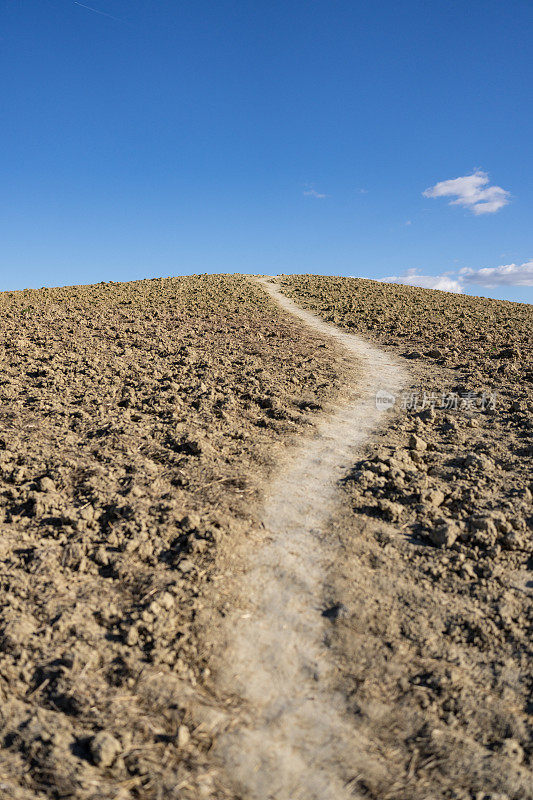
(104,749)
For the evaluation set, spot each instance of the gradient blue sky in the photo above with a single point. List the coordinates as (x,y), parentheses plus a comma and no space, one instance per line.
(168,138)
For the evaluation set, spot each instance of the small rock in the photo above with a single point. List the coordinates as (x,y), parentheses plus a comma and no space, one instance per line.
(101,556)
(73,555)
(183,736)
(367,476)
(132,636)
(435,353)
(467,571)
(512,749)
(444,534)
(484,531)
(47,485)
(104,748)
(186,565)
(87,513)
(479,461)
(166,600)
(432,497)
(16,633)
(514,541)
(390,511)
(484,523)
(499,520)
(416,443)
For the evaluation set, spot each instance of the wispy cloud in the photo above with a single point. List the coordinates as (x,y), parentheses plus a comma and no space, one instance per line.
(412,277)
(456,280)
(506,275)
(473,192)
(315,194)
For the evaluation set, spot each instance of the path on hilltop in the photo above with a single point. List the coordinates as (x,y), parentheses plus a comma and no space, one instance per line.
(295,742)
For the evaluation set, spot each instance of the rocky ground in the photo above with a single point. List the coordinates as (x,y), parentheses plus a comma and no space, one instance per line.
(138,424)
(430,603)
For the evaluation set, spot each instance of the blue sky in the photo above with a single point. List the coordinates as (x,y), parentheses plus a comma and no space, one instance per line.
(142,139)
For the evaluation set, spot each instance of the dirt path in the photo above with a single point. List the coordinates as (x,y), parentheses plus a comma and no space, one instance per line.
(295,742)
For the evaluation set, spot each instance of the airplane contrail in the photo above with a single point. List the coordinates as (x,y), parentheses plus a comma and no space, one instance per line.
(102,13)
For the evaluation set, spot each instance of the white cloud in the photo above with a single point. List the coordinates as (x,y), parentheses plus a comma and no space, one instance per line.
(456,280)
(412,278)
(314,193)
(506,275)
(472,192)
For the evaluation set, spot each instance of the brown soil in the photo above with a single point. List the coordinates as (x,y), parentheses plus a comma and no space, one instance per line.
(430,594)
(138,423)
